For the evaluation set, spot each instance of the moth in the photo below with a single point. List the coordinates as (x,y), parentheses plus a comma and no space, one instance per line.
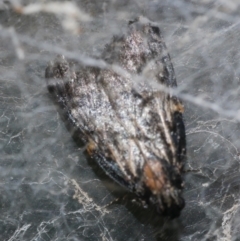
(132,129)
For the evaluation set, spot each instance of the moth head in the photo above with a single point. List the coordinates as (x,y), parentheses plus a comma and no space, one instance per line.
(59,74)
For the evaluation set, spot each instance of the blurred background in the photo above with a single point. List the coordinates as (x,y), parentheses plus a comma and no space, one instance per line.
(48,189)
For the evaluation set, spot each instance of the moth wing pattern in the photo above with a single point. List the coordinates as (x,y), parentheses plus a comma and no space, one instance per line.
(134,130)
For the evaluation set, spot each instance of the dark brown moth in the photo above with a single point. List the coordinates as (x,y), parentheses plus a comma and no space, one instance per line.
(135,134)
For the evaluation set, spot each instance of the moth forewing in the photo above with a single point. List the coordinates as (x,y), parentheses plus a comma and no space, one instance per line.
(132,123)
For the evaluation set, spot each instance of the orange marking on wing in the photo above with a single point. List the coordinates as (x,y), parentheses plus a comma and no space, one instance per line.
(91,147)
(177,106)
(154,177)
